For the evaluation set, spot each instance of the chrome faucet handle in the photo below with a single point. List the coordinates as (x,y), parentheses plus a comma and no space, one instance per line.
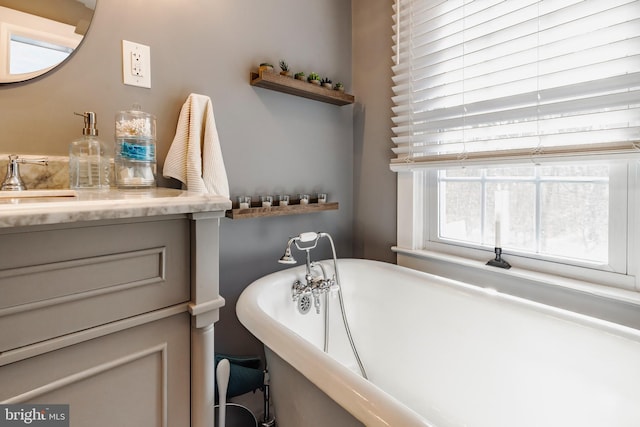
(316,299)
(297,289)
(13,181)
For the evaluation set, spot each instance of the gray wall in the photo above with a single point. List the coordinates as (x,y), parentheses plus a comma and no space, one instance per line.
(271,142)
(374,183)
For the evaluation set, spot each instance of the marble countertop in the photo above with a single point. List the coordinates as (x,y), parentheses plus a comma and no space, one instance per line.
(92,205)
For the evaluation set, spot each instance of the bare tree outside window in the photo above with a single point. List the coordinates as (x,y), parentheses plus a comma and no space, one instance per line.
(559,211)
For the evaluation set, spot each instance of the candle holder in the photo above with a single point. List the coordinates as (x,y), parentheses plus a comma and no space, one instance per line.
(303,198)
(244,202)
(498,261)
(283,200)
(267,201)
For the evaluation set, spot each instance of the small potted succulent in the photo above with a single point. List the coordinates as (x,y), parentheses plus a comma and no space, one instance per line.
(265,66)
(339,86)
(314,78)
(285,69)
(326,82)
(300,76)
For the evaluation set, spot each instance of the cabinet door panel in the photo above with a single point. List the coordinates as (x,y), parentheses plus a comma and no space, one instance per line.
(136,377)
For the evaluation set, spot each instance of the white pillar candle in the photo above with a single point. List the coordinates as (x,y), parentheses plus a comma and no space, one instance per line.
(501,215)
(244,205)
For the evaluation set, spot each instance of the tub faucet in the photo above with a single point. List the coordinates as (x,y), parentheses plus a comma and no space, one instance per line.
(316,285)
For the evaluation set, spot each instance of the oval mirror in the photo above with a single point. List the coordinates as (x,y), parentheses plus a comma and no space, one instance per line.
(38,35)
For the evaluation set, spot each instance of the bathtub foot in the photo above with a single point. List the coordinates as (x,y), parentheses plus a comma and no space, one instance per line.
(498,261)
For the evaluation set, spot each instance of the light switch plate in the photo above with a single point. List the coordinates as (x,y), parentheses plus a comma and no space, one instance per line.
(136,64)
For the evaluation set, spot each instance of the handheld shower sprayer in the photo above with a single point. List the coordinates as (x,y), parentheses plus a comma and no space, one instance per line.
(287,258)
(309,236)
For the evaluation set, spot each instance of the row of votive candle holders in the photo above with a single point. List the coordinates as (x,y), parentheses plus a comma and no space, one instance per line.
(245,202)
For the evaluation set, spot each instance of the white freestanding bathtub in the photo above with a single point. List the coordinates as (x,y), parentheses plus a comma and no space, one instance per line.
(440,353)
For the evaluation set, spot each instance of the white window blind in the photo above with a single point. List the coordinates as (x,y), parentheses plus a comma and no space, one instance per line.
(489,81)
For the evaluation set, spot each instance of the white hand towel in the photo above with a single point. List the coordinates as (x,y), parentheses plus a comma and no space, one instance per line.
(195,156)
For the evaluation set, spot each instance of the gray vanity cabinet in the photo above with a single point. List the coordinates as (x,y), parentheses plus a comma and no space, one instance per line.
(113,317)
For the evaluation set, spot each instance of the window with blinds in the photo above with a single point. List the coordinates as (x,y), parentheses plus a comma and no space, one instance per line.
(500,81)
(534,103)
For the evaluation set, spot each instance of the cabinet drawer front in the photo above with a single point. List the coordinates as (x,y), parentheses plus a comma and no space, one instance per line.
(55,282)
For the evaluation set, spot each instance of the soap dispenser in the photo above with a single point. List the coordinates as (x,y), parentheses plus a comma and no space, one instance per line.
(88,159)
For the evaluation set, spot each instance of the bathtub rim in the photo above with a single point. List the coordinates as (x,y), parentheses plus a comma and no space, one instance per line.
(342,384)
(358,396)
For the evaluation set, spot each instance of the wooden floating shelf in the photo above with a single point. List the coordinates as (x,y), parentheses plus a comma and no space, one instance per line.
(292,86)
(258,211)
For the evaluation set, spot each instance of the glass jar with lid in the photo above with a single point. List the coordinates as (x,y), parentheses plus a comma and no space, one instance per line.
(135,151)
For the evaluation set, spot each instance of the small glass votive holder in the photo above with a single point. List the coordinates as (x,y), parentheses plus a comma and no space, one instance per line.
(304,199)
(244,202)
(267,201)
(283,200)
(322,197)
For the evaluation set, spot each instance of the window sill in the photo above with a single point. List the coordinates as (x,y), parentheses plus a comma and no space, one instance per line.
(615,305)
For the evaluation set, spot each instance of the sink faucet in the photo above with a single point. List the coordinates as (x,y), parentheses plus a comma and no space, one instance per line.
(13,181)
